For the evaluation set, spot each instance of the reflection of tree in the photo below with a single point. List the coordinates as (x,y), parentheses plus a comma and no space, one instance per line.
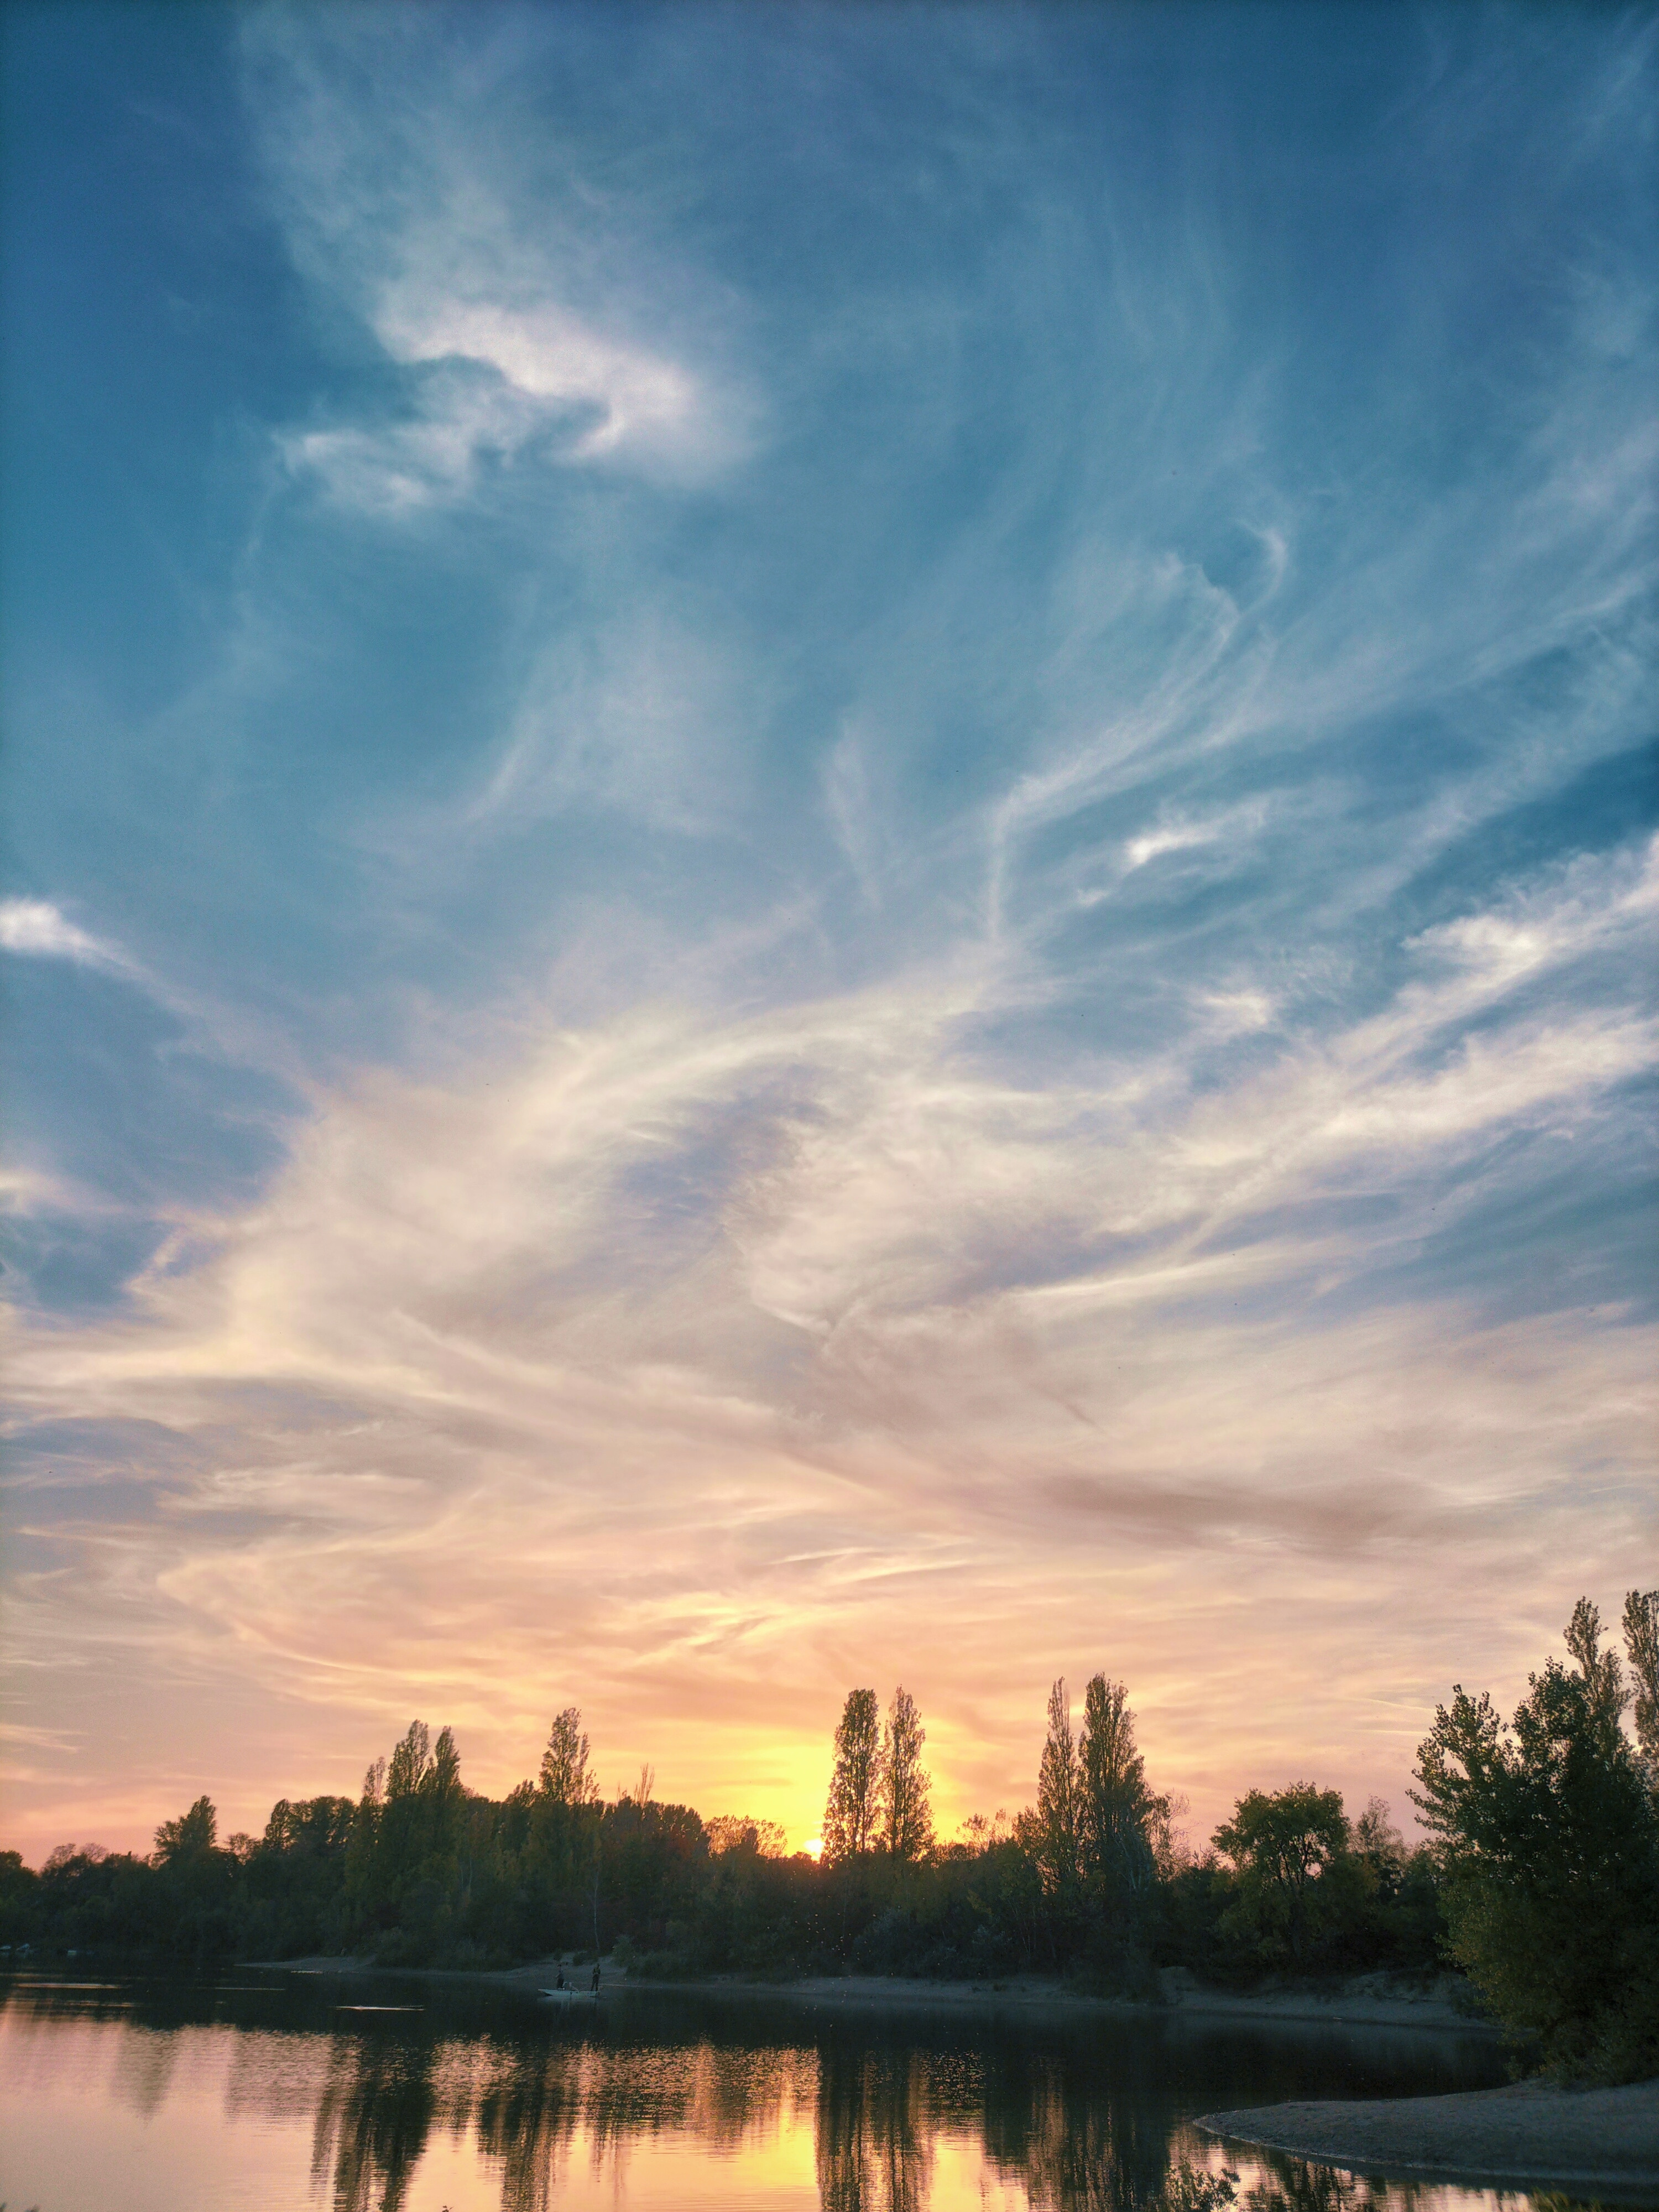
(1077,2143)
(525,2101)
(372,2123)
(737,2092)
(1088,2156)
(1298,2186)
(526,2115)
(144,2068)
(1084,2120)
(873,2155)
(630,2092)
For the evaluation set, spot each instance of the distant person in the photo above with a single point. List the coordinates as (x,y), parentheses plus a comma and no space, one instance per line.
(559,1984)
(596,1978)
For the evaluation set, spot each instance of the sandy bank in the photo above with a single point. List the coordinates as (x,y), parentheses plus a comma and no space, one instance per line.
(1529,2135)
(1368,2000)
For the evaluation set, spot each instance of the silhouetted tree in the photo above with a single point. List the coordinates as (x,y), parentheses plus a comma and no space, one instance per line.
(192,1835)
(1051,1835)
(737,1832)
(907,1822)
(850,1816)
(418,1868)
(194,1879)
(1114,1807)
(408,1763)
(1602,1676)
(565,1778)
(1642,1642)
(19,1887)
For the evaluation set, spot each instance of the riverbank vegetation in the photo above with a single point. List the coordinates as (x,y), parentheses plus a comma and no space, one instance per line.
(1540,1876)
(1546,1837)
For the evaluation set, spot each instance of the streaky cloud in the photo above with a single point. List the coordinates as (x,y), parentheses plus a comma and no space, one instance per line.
(37,929)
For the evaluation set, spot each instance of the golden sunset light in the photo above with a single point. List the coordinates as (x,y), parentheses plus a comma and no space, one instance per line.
(830,876)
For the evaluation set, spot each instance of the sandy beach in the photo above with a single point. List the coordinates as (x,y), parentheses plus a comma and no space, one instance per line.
(1529,2134)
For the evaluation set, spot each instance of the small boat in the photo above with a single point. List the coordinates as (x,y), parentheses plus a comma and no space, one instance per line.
(567,1998)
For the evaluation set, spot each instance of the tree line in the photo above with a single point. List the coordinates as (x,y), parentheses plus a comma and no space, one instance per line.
(1538,1875)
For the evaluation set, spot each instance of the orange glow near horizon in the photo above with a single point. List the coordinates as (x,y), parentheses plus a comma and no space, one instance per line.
(807,909)
(983,1753)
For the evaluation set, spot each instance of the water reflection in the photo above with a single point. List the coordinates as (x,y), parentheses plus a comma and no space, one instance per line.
(526,2125)
(373,2119)
(874,2150)
(1077,2141)
(1089,2118)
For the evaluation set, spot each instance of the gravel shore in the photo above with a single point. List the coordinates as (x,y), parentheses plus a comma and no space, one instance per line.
(1530,2135)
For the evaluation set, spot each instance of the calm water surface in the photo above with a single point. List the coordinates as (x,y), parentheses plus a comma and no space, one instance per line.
(277,2091)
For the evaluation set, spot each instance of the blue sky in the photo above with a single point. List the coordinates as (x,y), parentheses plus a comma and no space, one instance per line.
(829,855)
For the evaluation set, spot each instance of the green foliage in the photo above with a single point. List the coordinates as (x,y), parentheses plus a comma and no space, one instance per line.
(1290,1849)
(1547,1834)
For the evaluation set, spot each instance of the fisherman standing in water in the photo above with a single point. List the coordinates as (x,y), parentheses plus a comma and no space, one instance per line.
(596,1978)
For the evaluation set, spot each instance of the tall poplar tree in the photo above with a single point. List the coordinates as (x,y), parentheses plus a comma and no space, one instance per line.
(1055,1837)
(850,1816)
(1113,1805)
(409,1758)
(1642,1642)
(907,1826)
(565,1778)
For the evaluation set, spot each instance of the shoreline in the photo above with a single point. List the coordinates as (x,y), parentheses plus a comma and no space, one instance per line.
(1366,2002)
(1528,2135)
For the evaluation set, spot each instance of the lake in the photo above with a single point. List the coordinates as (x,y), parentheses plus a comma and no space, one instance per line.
(265,2092)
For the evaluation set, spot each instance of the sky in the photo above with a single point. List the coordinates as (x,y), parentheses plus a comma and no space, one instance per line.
(829,859)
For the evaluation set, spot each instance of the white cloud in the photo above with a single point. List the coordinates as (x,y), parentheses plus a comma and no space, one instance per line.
(853,814)
(1169,837)
(640,399)
(682,1337)
(1591,905)
(530,322)
(646,716)
(35,928)
(498,384)
(711,1326)
(1180,833)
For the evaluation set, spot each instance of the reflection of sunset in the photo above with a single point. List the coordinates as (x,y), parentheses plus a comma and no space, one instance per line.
(665,2110)
(813,908)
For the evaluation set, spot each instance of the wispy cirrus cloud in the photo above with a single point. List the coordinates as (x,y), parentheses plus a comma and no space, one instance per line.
(784,1291)
(519,345)
(496,385)
(37,929)
(956,930)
